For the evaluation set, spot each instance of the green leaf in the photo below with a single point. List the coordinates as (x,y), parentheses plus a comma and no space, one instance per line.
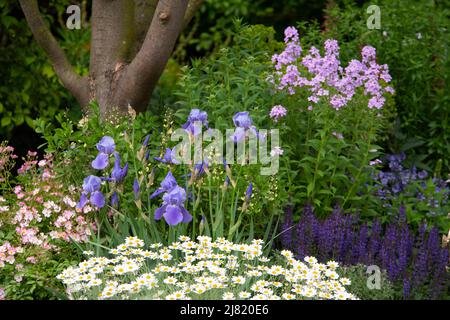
(310,188)
(47,71)
(29,121)
(6,120)
(19,119)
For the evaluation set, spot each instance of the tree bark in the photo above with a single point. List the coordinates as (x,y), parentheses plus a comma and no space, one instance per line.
(112,37)
(139,78)
(132,40)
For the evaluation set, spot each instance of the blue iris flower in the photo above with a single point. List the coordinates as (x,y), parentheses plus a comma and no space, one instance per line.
(172,208)
(105,146)
(243,123)
(196,119)
(167,184)
(119,173)
(91,187)
(169,157)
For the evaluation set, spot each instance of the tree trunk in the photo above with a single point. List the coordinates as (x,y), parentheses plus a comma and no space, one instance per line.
(131,43)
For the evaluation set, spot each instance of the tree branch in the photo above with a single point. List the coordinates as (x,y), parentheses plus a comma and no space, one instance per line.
(144,11)
(76,84)
(140,77)
(191,10)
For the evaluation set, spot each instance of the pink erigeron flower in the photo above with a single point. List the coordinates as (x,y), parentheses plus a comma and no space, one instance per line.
(43,200)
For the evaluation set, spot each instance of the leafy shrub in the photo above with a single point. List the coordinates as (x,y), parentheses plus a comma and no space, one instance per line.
(224,200)
(419,262)
(232,81)
(239,79)
(73,142)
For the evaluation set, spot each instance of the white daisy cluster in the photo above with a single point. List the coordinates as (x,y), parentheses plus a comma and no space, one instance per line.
(202,269)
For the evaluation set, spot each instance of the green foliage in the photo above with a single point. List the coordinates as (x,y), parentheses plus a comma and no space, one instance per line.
(29,87)
(73,142)
(431,207)
(36,281)
(232,81)
(332,169)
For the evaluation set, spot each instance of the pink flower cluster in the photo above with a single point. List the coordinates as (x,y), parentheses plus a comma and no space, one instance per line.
(324,76)
(277,112)
(5,153)
(30,162)
(65,220)
(42,214)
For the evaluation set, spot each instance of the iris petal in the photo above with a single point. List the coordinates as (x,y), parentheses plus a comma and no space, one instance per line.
(157,193)
(239,134)
(83,201)
(91,184)
(106,145)
(176,196)
(173,215)
(169,182)
(97,199)
(242,119)
(118,173)
(101,161)
(160,211)
(186,215)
